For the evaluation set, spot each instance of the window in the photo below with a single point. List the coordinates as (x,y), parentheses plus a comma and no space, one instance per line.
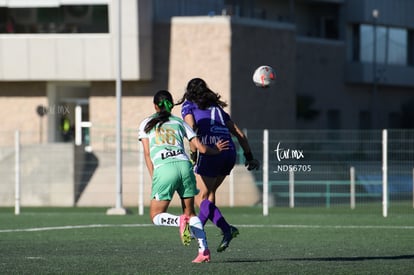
(410,47)
(329,27)
(391,45)
(397,41)
(62,19)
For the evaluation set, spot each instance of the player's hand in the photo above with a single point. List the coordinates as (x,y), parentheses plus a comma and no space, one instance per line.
(222,145)
(193,157)
(253,164)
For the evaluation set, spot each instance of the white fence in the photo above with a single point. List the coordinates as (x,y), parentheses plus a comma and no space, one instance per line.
(300,168)
(332,167)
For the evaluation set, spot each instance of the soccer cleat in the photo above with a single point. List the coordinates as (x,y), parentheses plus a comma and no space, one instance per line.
(203,257)
(228,236)
(185,233)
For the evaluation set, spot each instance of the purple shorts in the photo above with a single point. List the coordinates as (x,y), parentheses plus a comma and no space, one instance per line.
(217,165)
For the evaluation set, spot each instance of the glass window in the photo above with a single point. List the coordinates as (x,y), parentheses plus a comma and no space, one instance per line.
(63,19)
(366,39)
(397,41)
(391,45)
(410,47)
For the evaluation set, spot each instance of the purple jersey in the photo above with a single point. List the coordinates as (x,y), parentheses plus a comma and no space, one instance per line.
(210,123)
(211,127)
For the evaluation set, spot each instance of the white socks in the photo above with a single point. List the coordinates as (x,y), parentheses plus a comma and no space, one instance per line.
(198,231)
(196,227)
(166,219)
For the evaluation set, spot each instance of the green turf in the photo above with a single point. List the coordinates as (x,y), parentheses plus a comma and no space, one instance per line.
(288,241)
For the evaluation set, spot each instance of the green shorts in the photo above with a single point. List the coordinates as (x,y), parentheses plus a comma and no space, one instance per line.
(174,176)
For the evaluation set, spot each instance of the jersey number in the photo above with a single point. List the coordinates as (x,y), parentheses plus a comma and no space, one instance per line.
(164,136)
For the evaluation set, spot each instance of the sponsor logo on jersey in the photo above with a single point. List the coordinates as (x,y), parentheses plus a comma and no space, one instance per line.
(219,130)
(171,153)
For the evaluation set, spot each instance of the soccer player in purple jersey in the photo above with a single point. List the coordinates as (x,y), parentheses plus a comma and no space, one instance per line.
(203,110)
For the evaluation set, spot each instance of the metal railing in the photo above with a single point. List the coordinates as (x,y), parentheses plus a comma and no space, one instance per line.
(326,162)
(299,168)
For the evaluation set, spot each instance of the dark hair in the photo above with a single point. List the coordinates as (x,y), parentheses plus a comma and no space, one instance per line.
(198,92)
(163,99)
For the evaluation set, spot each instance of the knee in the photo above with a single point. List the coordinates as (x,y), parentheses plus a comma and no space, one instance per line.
(204,194)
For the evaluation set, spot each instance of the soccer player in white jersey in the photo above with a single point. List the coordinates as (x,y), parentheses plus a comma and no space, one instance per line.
(162,136)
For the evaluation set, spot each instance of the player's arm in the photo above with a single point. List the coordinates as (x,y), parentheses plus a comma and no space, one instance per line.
(241,137)
(189,119)
(251,163)
(148,162)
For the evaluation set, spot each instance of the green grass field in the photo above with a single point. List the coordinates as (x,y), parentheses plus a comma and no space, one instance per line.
(288,241)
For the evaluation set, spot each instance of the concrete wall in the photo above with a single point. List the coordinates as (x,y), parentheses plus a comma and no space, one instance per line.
(320,73)
(18,103)
(58,174)
(201,47)
(255,43)
(217,50)
(100,189)
(316,58)
(46,176)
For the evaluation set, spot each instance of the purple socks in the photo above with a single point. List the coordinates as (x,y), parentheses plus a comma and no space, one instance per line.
(209,211)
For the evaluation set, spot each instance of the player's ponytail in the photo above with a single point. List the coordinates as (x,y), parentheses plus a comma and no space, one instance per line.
(163,99)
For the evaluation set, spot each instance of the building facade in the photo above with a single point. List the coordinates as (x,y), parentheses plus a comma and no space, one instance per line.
(59,56)
(340,64)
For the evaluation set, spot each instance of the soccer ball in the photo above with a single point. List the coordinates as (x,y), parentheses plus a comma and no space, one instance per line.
(264,76)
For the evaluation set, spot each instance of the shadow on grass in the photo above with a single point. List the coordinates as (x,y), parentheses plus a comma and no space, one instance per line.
(354,259)
(325,259)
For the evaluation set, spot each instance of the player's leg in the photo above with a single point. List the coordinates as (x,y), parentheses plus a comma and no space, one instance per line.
(197,229)
(187,191)
(188,211)
(164,184)
(209,211)
(229,231)
(210,174)
(207,195)
(159,215)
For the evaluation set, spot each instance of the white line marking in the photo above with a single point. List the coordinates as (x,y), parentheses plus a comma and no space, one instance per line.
(329,226)
(72,227)
(34,258)
(299,226)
